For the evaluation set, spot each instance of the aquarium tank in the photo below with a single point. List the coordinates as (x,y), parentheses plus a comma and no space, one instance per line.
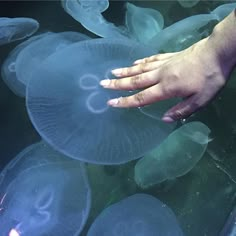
(71,164)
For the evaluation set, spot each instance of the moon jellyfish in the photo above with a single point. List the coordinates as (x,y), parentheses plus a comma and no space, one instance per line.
(88,13)
(36,52)
(12,29)
(143,23)
(188,3)
(73,116)
(37,196)
(223,10)
(181,34)
(8,70)
(229,228)
(139,215)
(175,157)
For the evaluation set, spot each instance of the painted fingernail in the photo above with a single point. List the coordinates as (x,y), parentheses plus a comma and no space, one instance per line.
(117,72)
(167,119)
(105,82)
(113,102)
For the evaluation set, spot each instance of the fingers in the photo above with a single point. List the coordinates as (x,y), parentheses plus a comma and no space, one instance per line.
(154,58)
(145,97)
(183,109)
(139,81)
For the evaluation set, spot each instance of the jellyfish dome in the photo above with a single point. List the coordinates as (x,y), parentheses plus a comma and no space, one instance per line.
(69,108)
(37,196)
(12,29)
(139,215)
(32,55)
(8,70)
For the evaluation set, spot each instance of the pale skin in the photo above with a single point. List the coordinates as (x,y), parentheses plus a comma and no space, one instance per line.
(195,74)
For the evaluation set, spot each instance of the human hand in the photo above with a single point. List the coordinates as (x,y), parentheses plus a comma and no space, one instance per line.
(195,74)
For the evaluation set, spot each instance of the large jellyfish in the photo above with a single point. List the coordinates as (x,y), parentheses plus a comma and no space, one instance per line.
(139,215)
(8,70)
(39,190)
(89,14)
(182,34)
(36,52)
(176,156)
(143,23)
(69,108)
(12,29)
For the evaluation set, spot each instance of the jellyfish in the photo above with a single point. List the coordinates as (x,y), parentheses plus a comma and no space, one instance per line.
(88,13)
(223,10)
(139,215)
(39,190)
(182,34)
(143,23)
(8,70)
(229,228)
(32,55)
(69,108)
(188,3)
(175,157)
(12,29)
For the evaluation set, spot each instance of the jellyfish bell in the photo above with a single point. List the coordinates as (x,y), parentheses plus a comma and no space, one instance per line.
(8,70)
(12,29)
(77,121)
(140,215)
(37,195)
(33,55)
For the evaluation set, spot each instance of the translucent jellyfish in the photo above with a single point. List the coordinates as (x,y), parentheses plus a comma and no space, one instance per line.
(229,228)
(143,23)
(188,3)
(223,10)
(8,70)
(69,109)
(36,52)
(175,157)
(36,196)
(88,13)
(139,215)
(182,34)
(12,29)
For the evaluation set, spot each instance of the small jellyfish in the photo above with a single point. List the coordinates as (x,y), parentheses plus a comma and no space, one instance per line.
(37,195)
(182,34)
(175,157)
(12,29)
(139,215)
(223,10)
(8,70)
(73,115)
(36,52)
(143,23)
(88,14)
(188,3)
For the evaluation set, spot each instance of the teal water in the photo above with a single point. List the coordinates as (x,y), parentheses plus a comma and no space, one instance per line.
(201,199)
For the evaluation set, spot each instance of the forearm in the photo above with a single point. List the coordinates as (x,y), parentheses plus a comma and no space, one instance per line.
(223,41)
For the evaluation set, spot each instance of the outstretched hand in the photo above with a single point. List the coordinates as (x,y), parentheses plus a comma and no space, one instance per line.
(195,74)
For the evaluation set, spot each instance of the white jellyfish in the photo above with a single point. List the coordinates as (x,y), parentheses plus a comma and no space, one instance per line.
(175,157)
(12,29)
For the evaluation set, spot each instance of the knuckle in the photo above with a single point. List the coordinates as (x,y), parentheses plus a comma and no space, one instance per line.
(139,99)
(116,83)
(142,67)
(135,81)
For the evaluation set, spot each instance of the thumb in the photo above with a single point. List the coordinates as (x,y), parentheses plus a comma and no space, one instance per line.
(183,109)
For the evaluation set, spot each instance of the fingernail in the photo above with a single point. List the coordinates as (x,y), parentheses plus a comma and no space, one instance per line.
(113,102)
(167,119)
(116,72)
(105,82)
(138,61)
